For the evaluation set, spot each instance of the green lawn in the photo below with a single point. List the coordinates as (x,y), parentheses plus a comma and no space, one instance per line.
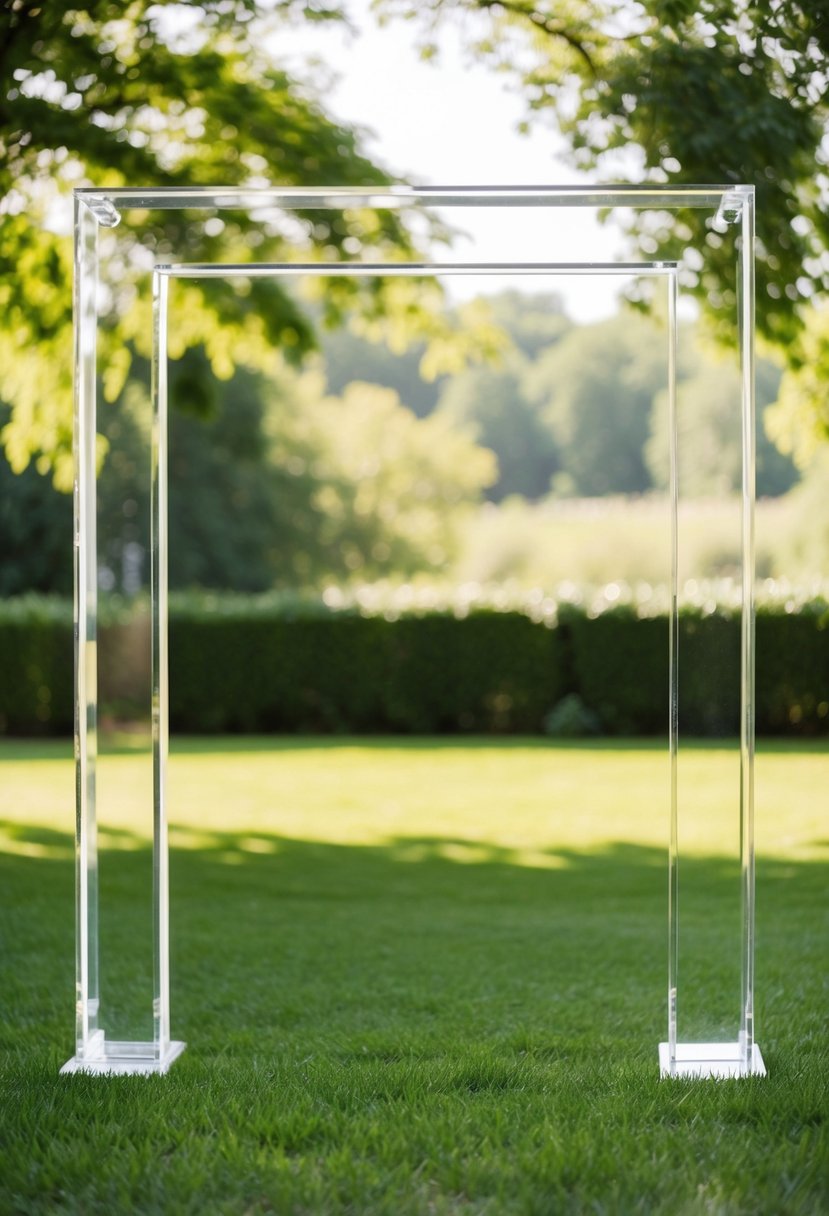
(421,976)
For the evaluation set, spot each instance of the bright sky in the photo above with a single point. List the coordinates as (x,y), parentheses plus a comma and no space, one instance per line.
(455,124)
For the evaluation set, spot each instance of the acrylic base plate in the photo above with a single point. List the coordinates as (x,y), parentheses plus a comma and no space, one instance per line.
(126,1059)
(709,1060)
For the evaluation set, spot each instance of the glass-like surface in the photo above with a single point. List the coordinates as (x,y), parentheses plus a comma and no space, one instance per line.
(123,1009)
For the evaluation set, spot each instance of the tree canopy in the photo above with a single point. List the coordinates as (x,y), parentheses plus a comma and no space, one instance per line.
(668,91)
(116,93)
(585,412)
(683,91)
(288,485)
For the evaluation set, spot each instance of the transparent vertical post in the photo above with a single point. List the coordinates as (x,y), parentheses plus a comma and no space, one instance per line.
(711,850)
(164,1051)
(88,1036)
(673,674)
(122,918)
(750,1057)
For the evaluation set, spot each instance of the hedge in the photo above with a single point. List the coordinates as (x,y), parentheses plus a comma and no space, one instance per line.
(492,671)
(288,666)
(36,666)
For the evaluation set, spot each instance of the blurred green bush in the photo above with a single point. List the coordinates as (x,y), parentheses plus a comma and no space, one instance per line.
(36,666)
(343,671)
(288,665)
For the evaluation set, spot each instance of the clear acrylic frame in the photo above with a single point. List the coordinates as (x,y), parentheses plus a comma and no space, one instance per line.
(110,969)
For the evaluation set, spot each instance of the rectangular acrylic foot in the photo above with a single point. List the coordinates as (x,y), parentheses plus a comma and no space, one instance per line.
(126,1059)
(710,1060)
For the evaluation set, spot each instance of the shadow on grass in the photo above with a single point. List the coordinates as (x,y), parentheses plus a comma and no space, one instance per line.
(408,946)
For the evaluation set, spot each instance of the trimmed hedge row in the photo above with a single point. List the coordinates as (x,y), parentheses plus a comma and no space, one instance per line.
(310,669)
(621,666)
(492,671)
(36,666)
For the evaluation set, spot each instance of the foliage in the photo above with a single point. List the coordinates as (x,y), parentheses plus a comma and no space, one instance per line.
(588,412)
(591,542)
(799,420)
(571,719)
(430,673)
(517,323)
(706,91)
(392,483)
(582,542)
(115,94)
(793,670)
(534,321)
(709,428)
(596,390)
(35,532)
(494,405)
(272,482)
(488,401)
(620,665)
(242,511)
(248,456)
(807,533)
(348,356)
(284,485)
(595,426)
(36,690)
(681,92)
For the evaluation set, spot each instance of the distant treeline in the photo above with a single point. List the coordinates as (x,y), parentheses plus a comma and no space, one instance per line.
(358,467)
(582,409)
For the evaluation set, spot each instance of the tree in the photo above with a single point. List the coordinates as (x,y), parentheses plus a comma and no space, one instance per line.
(35,532)
(595,391)
(708,422)
(114,93)
(683,91)
(494,406)
(393,484)
(346,356)
(285,485)
(799,420)
(534,321)
(494,403)
(241,512)
(806,536)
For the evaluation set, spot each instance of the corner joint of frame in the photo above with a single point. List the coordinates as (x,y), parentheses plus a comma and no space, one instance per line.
(730,210)
(103,209)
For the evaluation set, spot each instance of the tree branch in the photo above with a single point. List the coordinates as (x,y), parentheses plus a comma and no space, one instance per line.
(542,22)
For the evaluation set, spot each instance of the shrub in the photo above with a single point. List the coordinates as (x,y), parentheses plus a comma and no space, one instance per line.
(285,664)
(36,666)
(571,719)
(338,671)
(620,667)
(793,669)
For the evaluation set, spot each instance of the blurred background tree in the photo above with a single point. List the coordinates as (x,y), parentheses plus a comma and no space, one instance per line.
(686,91)
(710,457)
(112,94)
(595,390)
(493,403)
(115,93)
(497,404)
(285,485)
